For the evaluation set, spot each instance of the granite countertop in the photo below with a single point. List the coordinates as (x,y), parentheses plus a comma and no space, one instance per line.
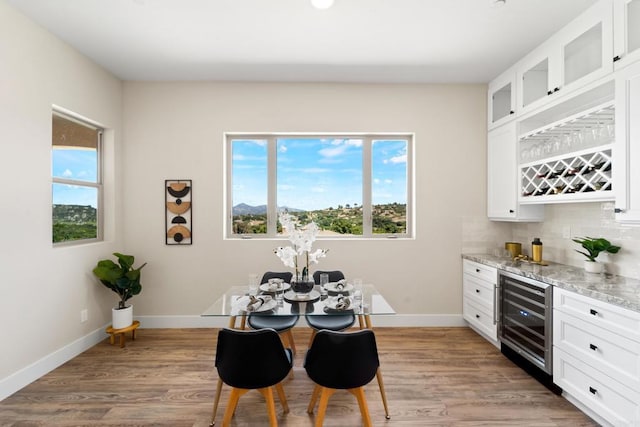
(617,290)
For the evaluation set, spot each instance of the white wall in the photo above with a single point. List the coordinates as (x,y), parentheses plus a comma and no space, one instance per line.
(43,288)
(175,131)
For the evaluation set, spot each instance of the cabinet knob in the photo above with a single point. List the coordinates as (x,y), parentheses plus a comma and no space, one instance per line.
(511,211)
(477,270)
(592,390)
(593,347)
(618,210)
(555,89)
(549,92)
(593,312)
(477,291)
(477,316)
(616,58)
(512,112)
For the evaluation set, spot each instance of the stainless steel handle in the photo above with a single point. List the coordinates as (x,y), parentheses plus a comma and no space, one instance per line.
(495,304)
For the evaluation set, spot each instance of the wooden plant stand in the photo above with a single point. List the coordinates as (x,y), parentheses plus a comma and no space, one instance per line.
(122,332)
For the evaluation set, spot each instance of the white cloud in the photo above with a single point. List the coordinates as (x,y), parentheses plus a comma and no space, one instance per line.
(388,181)
(318,189)
(285,187)
(283,148)
(376,180)
(399,159)
(67,173)
(333,152)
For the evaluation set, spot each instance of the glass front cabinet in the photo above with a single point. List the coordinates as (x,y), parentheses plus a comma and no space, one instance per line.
(502,99)
(580,53)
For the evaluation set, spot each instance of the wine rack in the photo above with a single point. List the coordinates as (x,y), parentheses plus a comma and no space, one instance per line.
(585,176)
(569,160)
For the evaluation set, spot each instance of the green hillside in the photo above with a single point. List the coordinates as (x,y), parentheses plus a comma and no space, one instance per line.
(74,222)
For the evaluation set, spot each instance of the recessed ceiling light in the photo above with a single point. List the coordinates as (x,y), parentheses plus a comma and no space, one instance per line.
(497,3)
(322,4)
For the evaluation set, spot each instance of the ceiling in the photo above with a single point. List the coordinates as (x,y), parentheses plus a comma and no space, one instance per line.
(396,41)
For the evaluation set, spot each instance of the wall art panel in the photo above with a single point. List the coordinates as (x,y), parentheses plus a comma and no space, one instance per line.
(178,207)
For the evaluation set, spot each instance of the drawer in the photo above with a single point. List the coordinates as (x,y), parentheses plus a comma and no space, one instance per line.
(479,290)
(609,399)
(608,316)
(480,271)
(480,317)
(612,354)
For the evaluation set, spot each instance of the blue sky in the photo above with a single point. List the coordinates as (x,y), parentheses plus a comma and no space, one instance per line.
(319,173)
(76,164)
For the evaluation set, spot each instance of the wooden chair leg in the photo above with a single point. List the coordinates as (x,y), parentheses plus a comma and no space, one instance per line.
(362,403)
(267,392)
(314,399)
(283,398)
(322,407)
(216,400)
(231,406)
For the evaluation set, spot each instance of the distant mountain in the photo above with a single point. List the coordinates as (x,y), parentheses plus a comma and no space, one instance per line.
(77,214)
(244,209)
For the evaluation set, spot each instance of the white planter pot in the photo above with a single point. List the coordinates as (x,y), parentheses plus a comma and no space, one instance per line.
(592,267)
(122,318)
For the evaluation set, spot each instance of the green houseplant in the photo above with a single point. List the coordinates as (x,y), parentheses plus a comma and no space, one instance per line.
(593,247)
(123,279)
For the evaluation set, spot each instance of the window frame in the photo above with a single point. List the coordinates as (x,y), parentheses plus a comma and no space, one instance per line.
(98,184)
(367,182)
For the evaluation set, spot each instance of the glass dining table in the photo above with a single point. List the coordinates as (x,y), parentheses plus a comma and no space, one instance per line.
(233,303)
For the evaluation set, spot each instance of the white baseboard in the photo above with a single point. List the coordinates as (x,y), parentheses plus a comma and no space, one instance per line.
(396,320)
(37,369)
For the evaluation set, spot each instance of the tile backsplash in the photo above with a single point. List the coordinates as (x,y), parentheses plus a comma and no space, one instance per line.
(581,220)
(562,223)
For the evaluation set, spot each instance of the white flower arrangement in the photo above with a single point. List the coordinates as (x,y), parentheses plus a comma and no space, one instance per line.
(301,238)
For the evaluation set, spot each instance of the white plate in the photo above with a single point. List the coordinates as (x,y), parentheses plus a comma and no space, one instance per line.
(241,305)
(265,287)
(333,287)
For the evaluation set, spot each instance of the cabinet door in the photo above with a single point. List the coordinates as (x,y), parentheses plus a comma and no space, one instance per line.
(501,172)
(627,152)
(626,27)
(503,180)
(586,47)
(502,99)
(537,77)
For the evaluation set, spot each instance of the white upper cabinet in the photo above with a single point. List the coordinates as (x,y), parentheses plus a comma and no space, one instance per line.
(580,53)
(627,150)
(502,99)
(626,32)
(502,181)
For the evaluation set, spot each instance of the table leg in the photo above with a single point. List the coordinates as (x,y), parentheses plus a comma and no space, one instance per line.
(367,319)
(122,338)
(216,400)
(361,321)
(232,322)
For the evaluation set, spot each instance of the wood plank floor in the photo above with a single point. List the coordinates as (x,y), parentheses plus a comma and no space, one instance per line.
(433,377)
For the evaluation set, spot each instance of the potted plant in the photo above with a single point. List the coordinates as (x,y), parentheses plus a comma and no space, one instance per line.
(593,247)
(124,280)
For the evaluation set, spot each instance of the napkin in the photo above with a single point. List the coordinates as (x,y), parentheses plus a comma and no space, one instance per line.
(343,303)
(341,284)
(256,302)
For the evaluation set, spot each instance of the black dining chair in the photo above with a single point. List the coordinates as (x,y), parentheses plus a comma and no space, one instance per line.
(333,322)
(282,324)
(341,361)
(252,360)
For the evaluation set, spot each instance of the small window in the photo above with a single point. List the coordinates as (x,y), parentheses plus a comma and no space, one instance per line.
(76,180)
(354,186)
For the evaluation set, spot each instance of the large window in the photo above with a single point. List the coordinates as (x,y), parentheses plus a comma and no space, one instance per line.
(350,185)
(76,180)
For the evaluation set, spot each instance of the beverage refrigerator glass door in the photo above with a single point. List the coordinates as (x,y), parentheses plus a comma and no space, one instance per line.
(525,321)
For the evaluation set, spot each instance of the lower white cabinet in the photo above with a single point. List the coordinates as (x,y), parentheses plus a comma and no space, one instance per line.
(479,299)
(596,356)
